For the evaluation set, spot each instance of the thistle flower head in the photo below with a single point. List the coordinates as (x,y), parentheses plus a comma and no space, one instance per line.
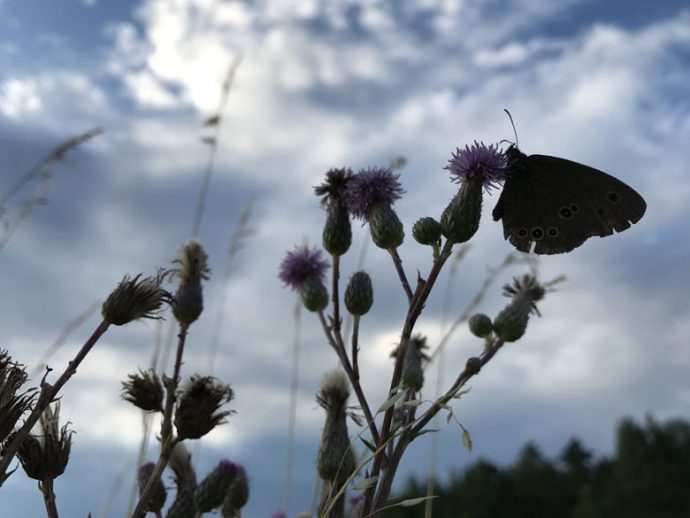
(192,269)
(45,456)
(136,298)
(157,498)
(334,391)
(237,494)
(301,265)
(198,407)
(192,261)
(511,322)
(369,188)
(13,403)
(331,191)
(525,291)
(144,390)
(209,495)
(480,160)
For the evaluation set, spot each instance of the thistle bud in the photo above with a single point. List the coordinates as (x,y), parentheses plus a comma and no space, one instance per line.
(385,227)
(511,322)
(460,219)
(144,390)
(413,373)
(480,325)
(359,294)
(237,495)
(182,506)
(158,496)
(427,231)
(335,460)
(198,408)
(314,295)
(337,232)
(193,267)
(212,491)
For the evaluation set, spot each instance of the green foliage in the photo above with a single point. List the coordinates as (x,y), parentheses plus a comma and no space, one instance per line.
(647,477)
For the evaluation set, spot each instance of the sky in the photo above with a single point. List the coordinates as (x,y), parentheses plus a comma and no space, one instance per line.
(318,84)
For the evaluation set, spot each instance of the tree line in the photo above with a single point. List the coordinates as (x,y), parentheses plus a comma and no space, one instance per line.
(647,476)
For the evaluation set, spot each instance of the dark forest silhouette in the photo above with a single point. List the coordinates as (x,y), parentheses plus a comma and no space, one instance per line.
(648,476)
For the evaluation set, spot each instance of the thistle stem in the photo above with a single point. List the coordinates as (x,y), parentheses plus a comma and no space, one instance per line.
(46,487)
(397,261)
(168,442)
(48,394)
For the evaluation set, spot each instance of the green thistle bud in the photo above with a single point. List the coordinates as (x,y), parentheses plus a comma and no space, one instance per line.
(460,219)
(144,390)
(212,491)
(337,232)
(182,506)
(158,496)
(237,495)
(385,227)
(359,294)
(427,231)
(510,324)
(181,465)
(335,460)
(480,325)
(413,373)
(314,294)
(197,411)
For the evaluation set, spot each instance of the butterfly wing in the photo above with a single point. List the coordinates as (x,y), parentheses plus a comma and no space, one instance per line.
(557,204)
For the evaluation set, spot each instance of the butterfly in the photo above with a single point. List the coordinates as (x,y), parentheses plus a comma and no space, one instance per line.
(553,205)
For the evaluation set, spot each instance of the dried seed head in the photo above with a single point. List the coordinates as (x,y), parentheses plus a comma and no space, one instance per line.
(158,496)
(144,390)
(13,404)
(136,298)
(198,408)
(45,456)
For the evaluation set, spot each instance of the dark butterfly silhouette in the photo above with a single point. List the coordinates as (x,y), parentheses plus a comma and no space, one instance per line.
(556,204)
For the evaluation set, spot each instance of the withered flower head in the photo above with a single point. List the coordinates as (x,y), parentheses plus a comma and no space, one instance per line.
(144,390)
(198,408)
(13,403)
(136,298)
(45,456)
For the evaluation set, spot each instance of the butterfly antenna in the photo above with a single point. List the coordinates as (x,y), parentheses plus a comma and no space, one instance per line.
(513,125)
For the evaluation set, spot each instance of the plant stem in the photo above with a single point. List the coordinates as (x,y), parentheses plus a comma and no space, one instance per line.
(48,394)
(335,297)
(168,442)
(397,261)
(355,346)
(339,348)
(417,302)
(46,487)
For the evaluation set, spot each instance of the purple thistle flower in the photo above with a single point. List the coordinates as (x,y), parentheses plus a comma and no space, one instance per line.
(370,187)
(478,160)
(301,265)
